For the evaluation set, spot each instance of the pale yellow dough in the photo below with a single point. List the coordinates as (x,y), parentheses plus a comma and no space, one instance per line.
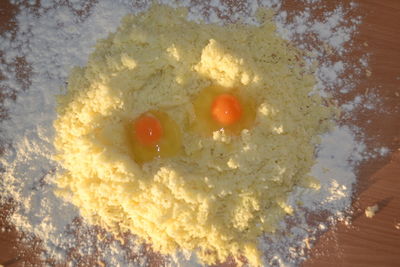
(210,199)
(370,211)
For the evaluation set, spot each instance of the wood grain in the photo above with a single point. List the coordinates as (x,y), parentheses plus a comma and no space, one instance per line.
(376,241)
(366,242)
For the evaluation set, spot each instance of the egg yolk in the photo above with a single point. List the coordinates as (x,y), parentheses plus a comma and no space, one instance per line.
(226,109)
(148,129)
(153,135)
(218,108)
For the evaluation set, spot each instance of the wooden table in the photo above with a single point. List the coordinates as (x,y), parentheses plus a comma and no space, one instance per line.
(376,241)
(366,242)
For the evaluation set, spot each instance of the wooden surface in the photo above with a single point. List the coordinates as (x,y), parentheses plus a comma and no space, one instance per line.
(376,241)
(366,242)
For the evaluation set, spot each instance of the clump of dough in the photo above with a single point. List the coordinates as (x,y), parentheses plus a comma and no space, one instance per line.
(370,211)
(223,192)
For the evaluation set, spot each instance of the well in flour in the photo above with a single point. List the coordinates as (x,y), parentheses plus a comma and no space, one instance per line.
(51,51)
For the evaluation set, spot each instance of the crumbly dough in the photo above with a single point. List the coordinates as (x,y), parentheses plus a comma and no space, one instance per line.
(370,211)
(223,191)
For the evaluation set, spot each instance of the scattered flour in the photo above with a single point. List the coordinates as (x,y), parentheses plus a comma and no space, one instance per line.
(57,35)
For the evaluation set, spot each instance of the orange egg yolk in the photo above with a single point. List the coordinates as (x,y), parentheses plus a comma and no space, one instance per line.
(218,108)
(153,135)
(148,129)
(226,109)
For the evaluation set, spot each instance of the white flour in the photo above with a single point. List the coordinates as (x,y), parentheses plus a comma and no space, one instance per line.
(54,37)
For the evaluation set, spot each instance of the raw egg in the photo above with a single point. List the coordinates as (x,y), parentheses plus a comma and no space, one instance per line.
(152,135)
(218,108)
